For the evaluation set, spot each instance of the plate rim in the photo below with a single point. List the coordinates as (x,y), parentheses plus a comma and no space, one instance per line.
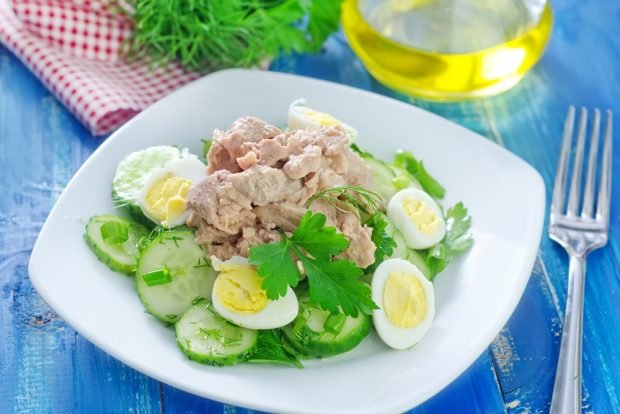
(538,192)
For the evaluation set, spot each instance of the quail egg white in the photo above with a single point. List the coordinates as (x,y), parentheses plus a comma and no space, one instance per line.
(406,301)
(238,296)
(164,195)
(300,117)
(418,217)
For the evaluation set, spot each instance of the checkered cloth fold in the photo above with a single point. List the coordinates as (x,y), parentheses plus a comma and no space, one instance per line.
(73,47)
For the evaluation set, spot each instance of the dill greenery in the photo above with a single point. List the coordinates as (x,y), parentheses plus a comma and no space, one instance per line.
(350,198)
(206,35)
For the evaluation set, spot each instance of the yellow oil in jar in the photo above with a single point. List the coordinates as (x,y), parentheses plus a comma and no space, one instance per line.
(420,48)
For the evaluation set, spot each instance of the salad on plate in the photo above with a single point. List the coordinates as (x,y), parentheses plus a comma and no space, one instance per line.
(278,245)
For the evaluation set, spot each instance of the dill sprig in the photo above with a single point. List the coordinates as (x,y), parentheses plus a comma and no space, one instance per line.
(206,35)
(350,198)
(217,335)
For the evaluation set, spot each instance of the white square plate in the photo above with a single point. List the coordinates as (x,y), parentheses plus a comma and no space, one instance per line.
(475,295)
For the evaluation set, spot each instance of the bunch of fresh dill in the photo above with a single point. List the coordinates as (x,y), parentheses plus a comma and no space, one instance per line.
(205,35)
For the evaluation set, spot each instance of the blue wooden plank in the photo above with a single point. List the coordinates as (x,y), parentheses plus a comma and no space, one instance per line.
(476,391)
(44,366)
(523,351)
(177,401)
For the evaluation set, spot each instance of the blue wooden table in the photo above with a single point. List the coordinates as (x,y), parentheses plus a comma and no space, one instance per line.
(46,367)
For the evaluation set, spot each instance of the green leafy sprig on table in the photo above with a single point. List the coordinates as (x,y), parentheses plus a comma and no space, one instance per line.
(206,35)
(333,284)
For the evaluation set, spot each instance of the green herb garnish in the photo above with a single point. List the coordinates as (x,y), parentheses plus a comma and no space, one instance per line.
(175,239)
(458,239)
(350,198)
(271,349)
(114,232)
(406,160)
(202,262)
(217,335)
(157,277)
(384,243)
(205,35)
(206,146)
(146,240)
(197,300)
(334,284)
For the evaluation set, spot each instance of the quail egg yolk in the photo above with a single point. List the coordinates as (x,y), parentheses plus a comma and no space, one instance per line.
(167,197)
(238,288)
(422,216)
(321,118)
(404,300)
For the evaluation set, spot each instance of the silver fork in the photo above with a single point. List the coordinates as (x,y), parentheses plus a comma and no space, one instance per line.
(579,232)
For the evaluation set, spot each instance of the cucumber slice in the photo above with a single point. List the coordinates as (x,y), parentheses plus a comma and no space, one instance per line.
(187,268)
(119,256)
(206,337)
(417,259)
(401,250)
(309,334)
(133,171)
(383,177)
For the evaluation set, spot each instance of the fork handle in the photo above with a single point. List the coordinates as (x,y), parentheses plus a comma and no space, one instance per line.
(567,387)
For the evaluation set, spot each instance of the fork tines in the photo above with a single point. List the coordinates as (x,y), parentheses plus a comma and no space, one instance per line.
(559,207)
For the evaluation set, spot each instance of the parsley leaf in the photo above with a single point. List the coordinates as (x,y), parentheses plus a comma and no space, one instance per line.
(333,285)
(318,240)
(276,266)
(384,243)
(406,160)
(458,239)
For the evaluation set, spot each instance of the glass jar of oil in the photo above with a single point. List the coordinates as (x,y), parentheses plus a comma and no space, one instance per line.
(448,49)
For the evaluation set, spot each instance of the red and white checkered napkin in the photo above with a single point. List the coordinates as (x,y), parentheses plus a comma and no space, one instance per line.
(72,46)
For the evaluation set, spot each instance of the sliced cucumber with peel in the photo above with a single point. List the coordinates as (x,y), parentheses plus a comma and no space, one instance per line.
(388,179)
(121,254)
(174,255)
(311,334)
(383,177)
(206,337)
(417,259)
(401,251)
(133,171)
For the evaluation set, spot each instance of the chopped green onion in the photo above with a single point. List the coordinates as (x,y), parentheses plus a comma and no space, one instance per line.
(157,277)
(334,323)
(400,182)
(406,160)
(114,232)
